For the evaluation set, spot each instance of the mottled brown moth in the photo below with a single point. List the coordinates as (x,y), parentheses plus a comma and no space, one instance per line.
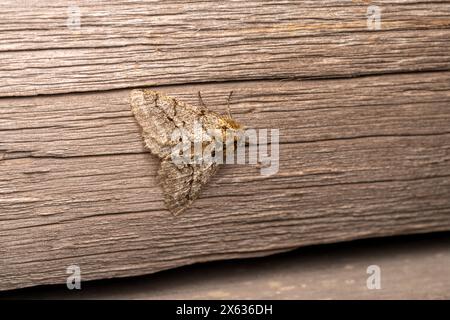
(159,117)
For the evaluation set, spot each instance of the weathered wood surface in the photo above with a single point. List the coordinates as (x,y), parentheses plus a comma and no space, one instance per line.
(125,44)
(357,159)
(415,267)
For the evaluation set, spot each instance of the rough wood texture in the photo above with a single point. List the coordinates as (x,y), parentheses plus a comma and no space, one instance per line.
(357,159)
(415,267)
(133,43)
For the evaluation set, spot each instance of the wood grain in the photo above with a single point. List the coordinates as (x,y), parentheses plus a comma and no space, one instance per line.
(123,44)
(414,267)
(357,159)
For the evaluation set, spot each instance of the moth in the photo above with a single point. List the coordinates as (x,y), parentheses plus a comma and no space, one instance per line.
(159,116)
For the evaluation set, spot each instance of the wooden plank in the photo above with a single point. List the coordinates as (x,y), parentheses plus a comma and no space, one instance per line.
(124,44)
(357,159)
(414,267)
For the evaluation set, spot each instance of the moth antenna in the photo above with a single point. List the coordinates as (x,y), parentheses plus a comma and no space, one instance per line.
(228,105)
(200,100)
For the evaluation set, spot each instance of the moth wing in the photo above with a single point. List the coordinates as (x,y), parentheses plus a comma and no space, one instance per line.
(159,116)
(153,113)
(182,184)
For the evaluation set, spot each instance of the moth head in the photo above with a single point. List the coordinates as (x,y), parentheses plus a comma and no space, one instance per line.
(229,123)
(231,128)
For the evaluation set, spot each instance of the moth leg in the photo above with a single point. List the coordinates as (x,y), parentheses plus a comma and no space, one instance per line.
(228,105)
(200,100)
